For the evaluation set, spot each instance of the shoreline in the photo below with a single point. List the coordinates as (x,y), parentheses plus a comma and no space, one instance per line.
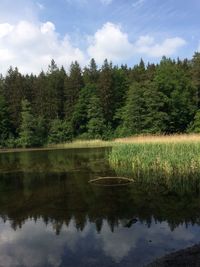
(73,145)
(188,257)
(140,139)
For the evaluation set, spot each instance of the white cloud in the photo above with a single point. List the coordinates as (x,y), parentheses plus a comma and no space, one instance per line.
(43,248)
(5,29)
(47,28)
(31,46)
(147,45)
(111,43)
(20,248)
(119,244)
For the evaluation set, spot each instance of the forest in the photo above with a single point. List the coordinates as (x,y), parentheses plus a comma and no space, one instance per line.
(58,106)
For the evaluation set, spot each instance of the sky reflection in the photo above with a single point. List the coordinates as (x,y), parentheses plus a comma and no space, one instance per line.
(36,244)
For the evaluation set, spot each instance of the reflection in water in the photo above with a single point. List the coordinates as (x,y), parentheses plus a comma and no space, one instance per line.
(52,216)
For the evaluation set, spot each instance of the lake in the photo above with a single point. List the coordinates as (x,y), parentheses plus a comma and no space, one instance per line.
(51,216)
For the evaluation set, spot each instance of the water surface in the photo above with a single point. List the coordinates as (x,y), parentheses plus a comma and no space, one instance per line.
(51,216)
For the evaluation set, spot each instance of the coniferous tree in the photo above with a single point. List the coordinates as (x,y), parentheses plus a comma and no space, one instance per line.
(91,74)
(73,85)
(80,115)
(143,111)
(196,76)
(14,93)
(60,132)
(26,131)
(138,73)
(194,126)
(121,86)
(40,131)
(162,98)
(54,92)
(180,103)
(4,122)
(39,95)
(96,123)
(105,89)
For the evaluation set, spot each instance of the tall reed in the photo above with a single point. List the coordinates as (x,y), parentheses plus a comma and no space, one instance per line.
(175,165)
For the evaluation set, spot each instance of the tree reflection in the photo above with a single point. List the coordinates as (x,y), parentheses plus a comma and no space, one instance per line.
(54,186)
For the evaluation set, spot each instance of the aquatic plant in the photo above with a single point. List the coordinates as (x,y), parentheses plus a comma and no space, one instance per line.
(174,165)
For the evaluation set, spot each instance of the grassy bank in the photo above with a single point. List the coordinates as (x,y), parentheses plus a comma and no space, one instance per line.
(149,139)
(183,138)
(176,138)
(84,144)
(71,145)
(171,161)
(176,165)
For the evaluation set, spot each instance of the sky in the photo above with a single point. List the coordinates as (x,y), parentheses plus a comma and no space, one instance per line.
(32,32)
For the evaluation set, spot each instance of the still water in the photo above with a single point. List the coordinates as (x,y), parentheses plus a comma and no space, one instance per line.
(51,216)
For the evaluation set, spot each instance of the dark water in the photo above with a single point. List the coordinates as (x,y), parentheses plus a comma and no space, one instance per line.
(51,216)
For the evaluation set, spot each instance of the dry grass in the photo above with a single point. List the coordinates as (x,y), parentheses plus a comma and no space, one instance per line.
(131,140)
(182,138)
(178,138)
(84,144)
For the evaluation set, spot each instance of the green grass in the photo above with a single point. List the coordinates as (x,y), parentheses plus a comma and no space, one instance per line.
(174,165)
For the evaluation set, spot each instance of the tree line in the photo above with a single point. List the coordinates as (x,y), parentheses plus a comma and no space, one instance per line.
(58,106)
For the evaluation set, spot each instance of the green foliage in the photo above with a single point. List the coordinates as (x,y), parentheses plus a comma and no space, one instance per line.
(99,103)
(174,82)
(196,76)
(40,131)
(72,86)
(194,127)
(80,114)
(60,132)
(176,166)
(4,122)
(14,91)
(105,88)
(26,132)
(96,122)
(142,112)
(91,74)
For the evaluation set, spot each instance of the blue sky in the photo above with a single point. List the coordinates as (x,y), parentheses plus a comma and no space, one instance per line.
(34,31)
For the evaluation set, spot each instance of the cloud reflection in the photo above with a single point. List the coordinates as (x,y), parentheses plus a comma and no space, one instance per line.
(36,244)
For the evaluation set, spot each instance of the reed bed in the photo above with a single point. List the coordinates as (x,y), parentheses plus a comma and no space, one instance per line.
(175,165)
(84,144)
(175,138)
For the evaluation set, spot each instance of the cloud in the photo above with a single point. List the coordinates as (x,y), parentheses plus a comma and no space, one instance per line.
(111,43)
(31,46)
(35,243)
(20,248)
(119,244)
(147,45)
